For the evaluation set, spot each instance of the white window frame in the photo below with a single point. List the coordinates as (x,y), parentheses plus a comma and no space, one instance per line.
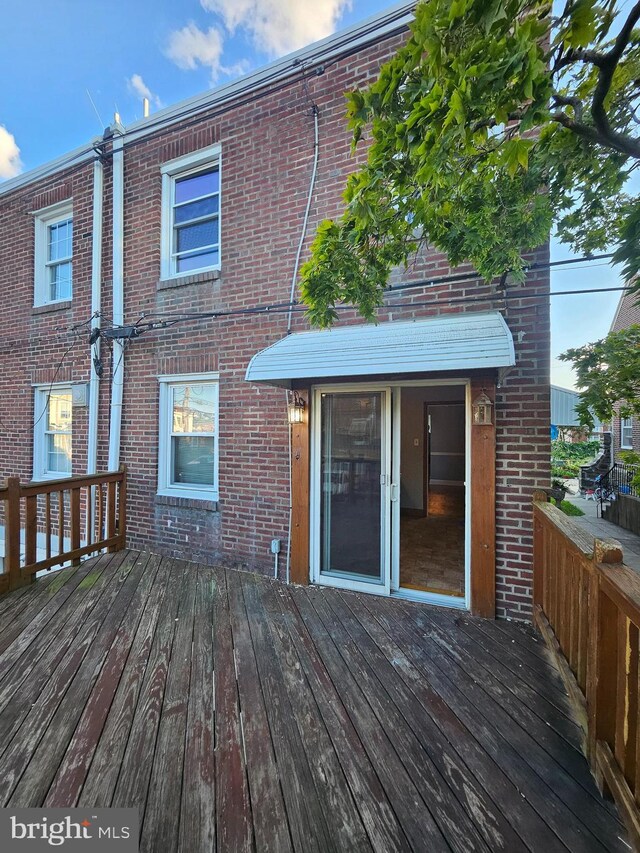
(626,433)
(170,171)
(41,402)
(44,219)
(165,486)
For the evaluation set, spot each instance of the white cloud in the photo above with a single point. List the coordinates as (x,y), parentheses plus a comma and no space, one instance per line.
(138,87)
(191,47)
(280,26)
(10,163)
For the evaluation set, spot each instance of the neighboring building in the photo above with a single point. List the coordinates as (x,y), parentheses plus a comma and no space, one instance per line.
(626,431)
(422,438)
(565,423)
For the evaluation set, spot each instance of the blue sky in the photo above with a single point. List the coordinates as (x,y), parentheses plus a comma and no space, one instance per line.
(56,58)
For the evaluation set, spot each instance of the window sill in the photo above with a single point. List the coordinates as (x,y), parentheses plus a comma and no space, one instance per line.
(49,307)
(48,478)
(185,280)
(203,504)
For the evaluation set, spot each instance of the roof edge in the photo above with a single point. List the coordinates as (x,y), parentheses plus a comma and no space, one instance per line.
(394,19)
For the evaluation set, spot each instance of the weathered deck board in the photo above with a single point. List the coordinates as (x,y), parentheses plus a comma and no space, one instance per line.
(377,814)
(435,789)
(270,823)
(72,771)
(234,825)
(550,790)
(198,804)
(132,588)
(422,718)
(238,714)
(136,767)
(16,758)
(307,821)
(331,784)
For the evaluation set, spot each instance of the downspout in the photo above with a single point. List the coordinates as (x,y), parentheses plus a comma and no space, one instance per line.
(117,379)
(96,294)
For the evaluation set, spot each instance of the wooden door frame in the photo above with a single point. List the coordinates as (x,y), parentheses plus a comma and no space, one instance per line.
(481,492)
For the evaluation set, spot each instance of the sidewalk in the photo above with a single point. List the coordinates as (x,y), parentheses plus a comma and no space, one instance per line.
(602,529)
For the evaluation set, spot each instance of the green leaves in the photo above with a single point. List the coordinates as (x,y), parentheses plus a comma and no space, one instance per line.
(582,24)
(608,375)
(482,136)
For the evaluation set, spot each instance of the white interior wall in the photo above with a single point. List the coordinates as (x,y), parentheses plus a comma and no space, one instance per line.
(413,437)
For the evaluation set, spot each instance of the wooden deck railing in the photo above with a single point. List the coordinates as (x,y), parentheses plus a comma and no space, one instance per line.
(63,519)
(587,606)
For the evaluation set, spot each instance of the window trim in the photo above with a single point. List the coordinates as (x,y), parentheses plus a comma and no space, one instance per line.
(178,168)
(43,220)
(626,424)
(165,487)
(40,403)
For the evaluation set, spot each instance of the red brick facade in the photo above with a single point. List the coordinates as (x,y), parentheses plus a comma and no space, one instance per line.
(627,314)
(267,151)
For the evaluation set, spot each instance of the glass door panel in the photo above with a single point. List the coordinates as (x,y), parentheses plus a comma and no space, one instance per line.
(353,492)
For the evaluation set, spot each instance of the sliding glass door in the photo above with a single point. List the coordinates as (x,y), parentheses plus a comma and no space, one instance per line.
(352,477)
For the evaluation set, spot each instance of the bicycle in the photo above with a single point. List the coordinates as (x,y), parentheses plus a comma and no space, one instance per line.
(604,492)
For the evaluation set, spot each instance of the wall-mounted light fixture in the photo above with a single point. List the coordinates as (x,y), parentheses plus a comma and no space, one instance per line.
(296,409)
(482,408)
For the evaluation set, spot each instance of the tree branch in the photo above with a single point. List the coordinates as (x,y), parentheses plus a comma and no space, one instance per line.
(605,78)
(566,101)
(624,144)
(572,55)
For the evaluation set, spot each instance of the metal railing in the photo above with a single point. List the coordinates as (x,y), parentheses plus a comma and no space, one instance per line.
(621,477)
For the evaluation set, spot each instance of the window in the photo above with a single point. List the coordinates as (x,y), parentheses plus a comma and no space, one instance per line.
(53,254)
(188,441)
(626,432)
(191,214)
(52,432)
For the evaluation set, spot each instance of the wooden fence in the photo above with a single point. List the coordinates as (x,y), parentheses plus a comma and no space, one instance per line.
(587,606)
(63,519)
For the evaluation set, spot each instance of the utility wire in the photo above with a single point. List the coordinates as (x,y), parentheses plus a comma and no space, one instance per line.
(45,408)
(159,321)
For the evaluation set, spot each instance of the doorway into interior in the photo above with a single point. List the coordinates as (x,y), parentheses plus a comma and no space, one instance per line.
(432,517)
(389,508)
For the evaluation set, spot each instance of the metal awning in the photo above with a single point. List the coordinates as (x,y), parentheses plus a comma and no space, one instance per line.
(471,341)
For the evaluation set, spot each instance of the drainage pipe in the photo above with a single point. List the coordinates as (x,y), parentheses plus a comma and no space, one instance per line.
(96,299)
(117,379)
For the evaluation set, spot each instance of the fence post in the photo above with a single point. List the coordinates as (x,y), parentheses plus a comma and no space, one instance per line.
(602,656)
(12,554)
(538,553)
(122,508)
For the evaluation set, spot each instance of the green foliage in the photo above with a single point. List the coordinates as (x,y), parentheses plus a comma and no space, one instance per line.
(608,374)
(630,457)
(567,457)
(568,508)
(483,131)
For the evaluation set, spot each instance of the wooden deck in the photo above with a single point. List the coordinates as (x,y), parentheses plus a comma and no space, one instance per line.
(240,714)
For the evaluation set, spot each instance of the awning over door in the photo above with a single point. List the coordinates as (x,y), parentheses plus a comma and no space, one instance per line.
(433,345)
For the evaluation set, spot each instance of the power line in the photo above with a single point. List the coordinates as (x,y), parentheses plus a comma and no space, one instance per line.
(158,321)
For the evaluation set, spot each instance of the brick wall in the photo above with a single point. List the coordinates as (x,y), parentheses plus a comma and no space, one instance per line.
(267,150)
(627,314)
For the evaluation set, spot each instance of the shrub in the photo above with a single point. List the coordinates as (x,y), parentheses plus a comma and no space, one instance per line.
(566,458)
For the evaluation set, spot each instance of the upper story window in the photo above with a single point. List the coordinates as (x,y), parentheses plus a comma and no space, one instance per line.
(188,439)
(54,254)
(191,214)
(52,432)
(626,433)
